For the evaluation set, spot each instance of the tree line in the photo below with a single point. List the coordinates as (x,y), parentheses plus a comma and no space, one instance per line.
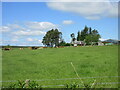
(53,38)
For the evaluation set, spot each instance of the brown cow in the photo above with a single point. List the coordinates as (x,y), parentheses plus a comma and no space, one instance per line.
(44,47)
(61,46)
(7,49)
(33,48)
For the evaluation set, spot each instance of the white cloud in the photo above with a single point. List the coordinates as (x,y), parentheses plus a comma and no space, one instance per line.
(40,25)
(67,22)
(29,28)
(16,34)
(40,41)
(14,26)
(14,40)
(34,39)
(87,9)
(29,33)
(29,39)
(4,29)
(34,28)
(102,39)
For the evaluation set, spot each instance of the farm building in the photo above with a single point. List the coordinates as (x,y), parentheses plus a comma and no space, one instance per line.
(100,43)
(107,43)
(110,42)
(80,43)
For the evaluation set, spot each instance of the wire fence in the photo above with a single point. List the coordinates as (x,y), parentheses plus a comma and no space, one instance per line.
(65,78)
(102,83)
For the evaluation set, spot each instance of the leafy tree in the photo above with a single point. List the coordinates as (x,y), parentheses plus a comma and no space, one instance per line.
(84,33)
(92,37)
(67,44)
(52,38)
(8,46)
(79,36)
(88,35)
(89,39)
(73,37)
(96,35)
(62,43)
(90,30)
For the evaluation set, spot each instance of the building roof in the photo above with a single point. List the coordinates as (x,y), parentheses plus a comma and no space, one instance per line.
(78,42)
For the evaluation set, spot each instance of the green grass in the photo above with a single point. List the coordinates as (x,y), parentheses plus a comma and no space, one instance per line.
(54,63)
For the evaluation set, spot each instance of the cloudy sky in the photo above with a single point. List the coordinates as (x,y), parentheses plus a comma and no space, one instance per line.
(25,23)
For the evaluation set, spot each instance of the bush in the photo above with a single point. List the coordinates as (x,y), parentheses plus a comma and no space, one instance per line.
(25,84)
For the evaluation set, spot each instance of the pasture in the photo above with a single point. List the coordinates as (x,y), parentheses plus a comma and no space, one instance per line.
(52,66)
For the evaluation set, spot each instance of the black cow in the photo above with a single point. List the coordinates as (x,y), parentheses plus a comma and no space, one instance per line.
(7,49)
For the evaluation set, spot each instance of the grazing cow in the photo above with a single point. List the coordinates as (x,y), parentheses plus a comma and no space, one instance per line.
(56,47)
(33,48)
(21,48)
(44,47)
(40,48)
(61,46)
(7,49)
(29,47)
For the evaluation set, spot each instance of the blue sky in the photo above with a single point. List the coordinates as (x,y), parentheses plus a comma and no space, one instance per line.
(25,23)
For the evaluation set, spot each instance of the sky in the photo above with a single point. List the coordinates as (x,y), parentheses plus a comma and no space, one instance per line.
(25,23)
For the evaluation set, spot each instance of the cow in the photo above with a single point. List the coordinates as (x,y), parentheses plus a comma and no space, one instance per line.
(61,46)
(7,49)
(45,47)
(21,48)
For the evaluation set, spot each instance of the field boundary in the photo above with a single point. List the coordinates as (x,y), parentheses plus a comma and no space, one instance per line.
(64,78)
(96,84)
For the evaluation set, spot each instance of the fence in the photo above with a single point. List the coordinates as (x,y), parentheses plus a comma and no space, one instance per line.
(71,79)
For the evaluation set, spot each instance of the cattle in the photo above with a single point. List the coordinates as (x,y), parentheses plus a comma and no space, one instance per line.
(21,48)
(33,48)
(45,47)
(40,48)
(56,47)
(61,46)
(7,49)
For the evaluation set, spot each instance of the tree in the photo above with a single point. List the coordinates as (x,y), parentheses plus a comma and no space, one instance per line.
(89,39)
(79,36)
(84,33)
(92,37)
(62,43)
(73,37)
(88,35)
(90,30)
(96,35)
(52,38)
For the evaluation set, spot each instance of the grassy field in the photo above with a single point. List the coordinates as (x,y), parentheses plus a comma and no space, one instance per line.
(55,63)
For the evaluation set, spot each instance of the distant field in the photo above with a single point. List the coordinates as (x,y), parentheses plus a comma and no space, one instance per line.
(54,63)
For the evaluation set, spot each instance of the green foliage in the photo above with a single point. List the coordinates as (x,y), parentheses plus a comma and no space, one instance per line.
(79,36)
(76,85)
(89,38)
(73,37)
(62,43)
(84,33)
(8,46)
(67,44)
(72,86)
(23,84)
(88,35)
(52,37)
